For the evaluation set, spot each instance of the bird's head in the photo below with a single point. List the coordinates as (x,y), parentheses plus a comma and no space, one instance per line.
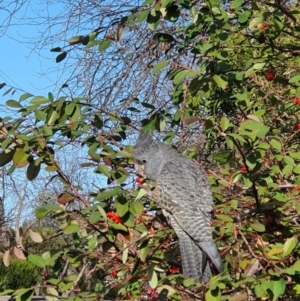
(148,156)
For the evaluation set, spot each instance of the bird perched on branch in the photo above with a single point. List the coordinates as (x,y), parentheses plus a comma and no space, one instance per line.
(183,191)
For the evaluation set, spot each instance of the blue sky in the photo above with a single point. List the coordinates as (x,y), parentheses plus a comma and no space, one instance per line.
(22,67)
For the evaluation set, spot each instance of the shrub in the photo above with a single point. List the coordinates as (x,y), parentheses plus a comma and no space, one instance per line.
(19,274)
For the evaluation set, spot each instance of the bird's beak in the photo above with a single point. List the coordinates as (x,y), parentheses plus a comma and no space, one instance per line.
(140,169)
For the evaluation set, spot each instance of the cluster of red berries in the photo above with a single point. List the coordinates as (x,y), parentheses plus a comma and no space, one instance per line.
(114,217)
(296,100)
(174,270)
(269,77)
(262,26)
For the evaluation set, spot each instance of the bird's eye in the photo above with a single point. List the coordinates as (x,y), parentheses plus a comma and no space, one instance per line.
(144,161)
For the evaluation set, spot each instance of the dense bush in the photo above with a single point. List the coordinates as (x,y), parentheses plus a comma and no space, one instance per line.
(233,72)
(18,274)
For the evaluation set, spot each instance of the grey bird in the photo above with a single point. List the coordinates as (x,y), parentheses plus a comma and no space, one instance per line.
(183,192)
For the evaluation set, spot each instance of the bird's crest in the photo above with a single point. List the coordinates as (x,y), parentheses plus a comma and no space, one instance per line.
(144,139)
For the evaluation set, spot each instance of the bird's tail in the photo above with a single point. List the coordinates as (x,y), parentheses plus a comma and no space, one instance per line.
(211,250)
(194,262)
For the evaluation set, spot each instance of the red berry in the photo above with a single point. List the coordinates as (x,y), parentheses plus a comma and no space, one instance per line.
(297,187)
(139,180)
(298,126)
(269,77)
(174,270)
(117,219)
(296,100)
(243,169)
(110,214)
(113,273)
(263,26)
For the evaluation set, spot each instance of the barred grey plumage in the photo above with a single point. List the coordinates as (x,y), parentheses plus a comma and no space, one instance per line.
(183,191)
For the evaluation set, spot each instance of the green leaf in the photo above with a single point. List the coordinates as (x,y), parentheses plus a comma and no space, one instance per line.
(121,205)
(13,104)
(144,247)
(142,192)
(33,170)
(56,49)
(102,212)
(95,217)
(236,4)
(224,218)
(152,276)
(37,260)
(297,169)
(173,13)
(76,40)
(222,157)
(276,144)
(104,45)
(153,19)
(213,295)
(23,294)
(258,66)
(294,79)
(119,227)
(277,288)
(220,82)
(38,100)
(258,227)
(104,170)
(70,107)
(142,16)
(51,294)
(163,37)
(136,208)
(188,282)
(253,129)
(181,75)
(159,66)
(61,57)
(6,157)
(287,169)
(289,245)
(224,123)
(41,213)
(69,229)
(40,115)
(20,158)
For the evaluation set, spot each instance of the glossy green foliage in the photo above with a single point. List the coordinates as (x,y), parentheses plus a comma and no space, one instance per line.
(234,71)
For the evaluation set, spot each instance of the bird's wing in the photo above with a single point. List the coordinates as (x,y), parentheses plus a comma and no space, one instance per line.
(183,195)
